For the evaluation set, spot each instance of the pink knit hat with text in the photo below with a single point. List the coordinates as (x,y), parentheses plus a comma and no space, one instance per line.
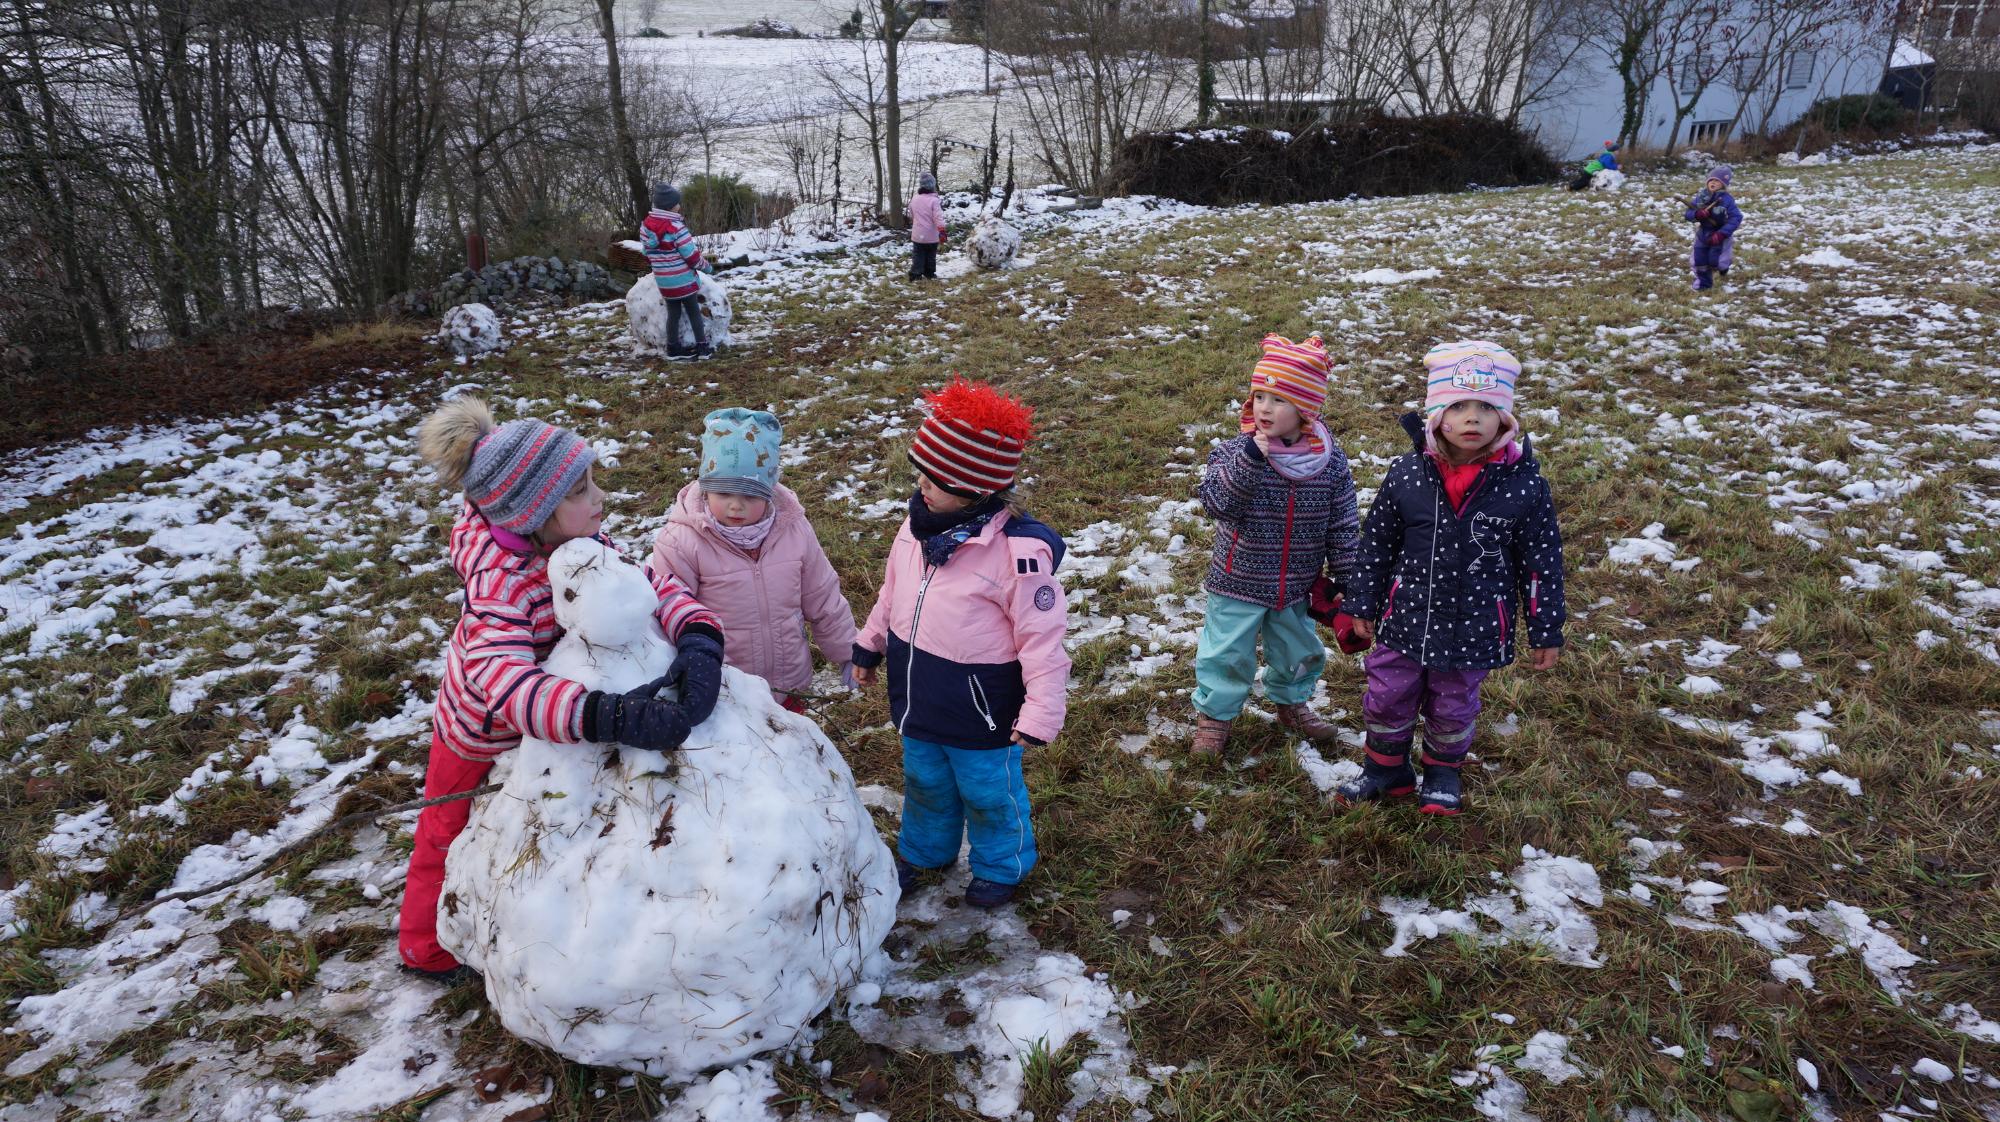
(1470,370)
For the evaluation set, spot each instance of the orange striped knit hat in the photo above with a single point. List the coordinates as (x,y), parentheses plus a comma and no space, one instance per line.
(971,441)
(1295,372)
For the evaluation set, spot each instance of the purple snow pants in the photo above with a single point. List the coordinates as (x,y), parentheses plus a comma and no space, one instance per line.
(1716,257)
(1399,690)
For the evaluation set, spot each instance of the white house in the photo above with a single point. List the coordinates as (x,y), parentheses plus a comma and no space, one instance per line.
(1722,80)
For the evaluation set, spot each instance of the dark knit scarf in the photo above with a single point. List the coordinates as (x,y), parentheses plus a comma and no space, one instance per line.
(941,534)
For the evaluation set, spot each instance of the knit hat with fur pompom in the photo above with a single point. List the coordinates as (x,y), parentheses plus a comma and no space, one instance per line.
(516,473)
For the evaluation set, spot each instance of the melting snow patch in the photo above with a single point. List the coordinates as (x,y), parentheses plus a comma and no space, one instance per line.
(1541,905)
(1391,276)
(1325,776)
(1650,545)
(1548,1056)
(1828,257)
(1963,1018)
(1932,1070)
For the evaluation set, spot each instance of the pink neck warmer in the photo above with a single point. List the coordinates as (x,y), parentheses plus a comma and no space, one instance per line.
(749,537)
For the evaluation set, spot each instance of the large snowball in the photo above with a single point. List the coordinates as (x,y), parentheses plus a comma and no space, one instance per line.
(1610,179)
(472,329)
(992,244)
(649,314)
(664,913)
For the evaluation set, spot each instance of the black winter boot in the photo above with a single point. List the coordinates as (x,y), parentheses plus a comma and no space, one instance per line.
(1383,776)
(1443,791)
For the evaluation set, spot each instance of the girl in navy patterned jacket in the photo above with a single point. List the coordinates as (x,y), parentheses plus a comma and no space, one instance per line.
(1460,551)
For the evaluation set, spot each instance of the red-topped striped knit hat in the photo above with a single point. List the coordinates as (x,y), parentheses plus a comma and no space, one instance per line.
(1295,372)
(972,438)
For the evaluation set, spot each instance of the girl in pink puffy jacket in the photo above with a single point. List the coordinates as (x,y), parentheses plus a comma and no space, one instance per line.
(741,543)
(970,621)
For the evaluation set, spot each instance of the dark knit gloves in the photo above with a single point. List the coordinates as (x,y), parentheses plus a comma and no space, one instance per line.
(697,673)
(637,718)
(640,718)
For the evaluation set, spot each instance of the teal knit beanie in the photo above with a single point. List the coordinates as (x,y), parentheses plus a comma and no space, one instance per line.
(739,452)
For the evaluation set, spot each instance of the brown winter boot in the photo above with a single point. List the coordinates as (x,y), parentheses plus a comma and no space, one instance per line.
(1210,735)
(1302,720)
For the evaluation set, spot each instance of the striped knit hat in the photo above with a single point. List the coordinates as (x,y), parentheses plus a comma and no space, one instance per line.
(1295,372)
(972,438)
(1470,370)
(523,470)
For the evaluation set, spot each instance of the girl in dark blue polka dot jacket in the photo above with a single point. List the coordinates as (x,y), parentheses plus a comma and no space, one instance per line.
(1459,553)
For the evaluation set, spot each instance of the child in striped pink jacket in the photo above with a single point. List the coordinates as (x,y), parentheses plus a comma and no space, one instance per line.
(676,258)
(528,489)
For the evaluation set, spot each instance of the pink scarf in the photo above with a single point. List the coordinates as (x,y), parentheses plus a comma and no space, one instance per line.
(1299,461)
(751,537)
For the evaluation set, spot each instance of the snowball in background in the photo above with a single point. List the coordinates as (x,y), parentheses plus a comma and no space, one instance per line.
(471,329)
(992,243)
(664,913)
(1609,179)
(649,314)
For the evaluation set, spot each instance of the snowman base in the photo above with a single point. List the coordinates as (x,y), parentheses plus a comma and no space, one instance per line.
(471,329)
(648,314)
(993,244)
(665,913)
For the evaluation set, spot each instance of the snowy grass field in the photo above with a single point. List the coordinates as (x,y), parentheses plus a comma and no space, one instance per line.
(1732,858)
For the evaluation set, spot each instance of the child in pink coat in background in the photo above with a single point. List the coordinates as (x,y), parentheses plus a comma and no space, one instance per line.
(926,229)
(741,542)
(970,620)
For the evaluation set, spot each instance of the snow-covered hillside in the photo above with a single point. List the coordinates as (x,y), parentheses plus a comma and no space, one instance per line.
(1744,827)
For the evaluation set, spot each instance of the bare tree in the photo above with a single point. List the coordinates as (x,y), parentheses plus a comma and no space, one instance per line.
(1097,71)
(627,147)
(851,73)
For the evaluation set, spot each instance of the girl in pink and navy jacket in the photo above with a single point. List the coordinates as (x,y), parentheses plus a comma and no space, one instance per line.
(528,489)
(970,620)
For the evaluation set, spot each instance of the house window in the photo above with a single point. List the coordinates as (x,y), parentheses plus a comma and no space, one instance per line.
(1708,132)
(1960,19)
(1691,68)
(1799,74)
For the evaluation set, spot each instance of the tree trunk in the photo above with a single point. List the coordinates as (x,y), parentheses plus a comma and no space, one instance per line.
(621,126)
(893,29)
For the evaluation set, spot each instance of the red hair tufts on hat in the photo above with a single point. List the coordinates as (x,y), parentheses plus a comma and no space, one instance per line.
(981,407)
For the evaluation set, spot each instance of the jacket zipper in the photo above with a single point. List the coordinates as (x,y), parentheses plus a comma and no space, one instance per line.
(979,702)
(1390,606)
(1229,562)
(1500,606)
(1534,594)
(1285,547)
(910,666)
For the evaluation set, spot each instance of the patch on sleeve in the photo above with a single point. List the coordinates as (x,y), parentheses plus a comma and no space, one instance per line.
(1025,565)
(1045,598)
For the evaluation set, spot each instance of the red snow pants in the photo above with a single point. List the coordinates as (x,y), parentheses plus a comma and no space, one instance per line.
(447,774)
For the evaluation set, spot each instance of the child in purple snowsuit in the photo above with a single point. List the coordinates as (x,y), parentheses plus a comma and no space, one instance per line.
(1713,211)
(1459,552)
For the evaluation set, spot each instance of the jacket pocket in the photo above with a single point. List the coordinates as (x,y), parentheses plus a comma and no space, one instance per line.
(1389,605)
(1500,609)
(1229,559)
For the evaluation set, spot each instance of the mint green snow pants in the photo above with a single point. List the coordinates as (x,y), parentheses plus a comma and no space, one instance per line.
(1225,664)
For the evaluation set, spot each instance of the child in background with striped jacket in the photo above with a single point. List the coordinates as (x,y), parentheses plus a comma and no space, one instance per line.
(675,258)
(1283,501)
(528,489)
